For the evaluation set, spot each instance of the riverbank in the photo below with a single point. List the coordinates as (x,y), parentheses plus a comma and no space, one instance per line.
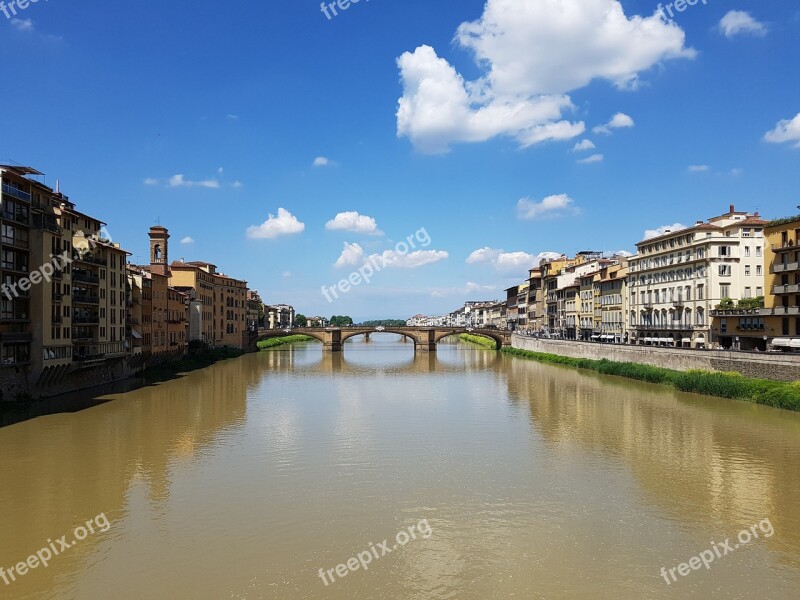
(190,362)
(478,340)
(723,385)
(280,341)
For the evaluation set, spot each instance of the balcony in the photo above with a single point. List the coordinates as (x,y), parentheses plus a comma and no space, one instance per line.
(785,289)
(16,193)
(81,277)
(740,312)
(19,216)
(86,320)
(754,327)
(786,310)
(16,336)
(679,303)
(82,299)
(785,267)
(56,297)
(15,243)
(89,259)
(789,246)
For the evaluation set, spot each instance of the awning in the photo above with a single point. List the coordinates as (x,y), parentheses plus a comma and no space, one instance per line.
(795,343)
(136,334)
(782,343)
(686,341)
(597,337)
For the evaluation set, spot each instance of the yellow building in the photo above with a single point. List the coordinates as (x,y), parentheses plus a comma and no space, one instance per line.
(781,317)
(64,313)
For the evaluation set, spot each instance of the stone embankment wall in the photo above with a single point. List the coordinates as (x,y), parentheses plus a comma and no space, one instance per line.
(761,365)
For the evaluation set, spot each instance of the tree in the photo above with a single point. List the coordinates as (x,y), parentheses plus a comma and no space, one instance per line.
(300,321)
(340,321)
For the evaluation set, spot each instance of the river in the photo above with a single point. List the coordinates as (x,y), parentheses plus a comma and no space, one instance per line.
(257,477)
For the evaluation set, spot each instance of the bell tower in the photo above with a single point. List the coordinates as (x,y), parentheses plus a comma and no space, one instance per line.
(159,246)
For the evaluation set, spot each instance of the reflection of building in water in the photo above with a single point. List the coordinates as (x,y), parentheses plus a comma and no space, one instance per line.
(711,453)
(61,470)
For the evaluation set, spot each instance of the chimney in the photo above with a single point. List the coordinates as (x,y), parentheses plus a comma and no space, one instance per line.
(699,223)
(733,208)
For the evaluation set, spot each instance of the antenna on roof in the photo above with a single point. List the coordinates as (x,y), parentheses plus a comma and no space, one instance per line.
(58,186)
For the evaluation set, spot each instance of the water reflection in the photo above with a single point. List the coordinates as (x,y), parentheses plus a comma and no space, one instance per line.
(244,479)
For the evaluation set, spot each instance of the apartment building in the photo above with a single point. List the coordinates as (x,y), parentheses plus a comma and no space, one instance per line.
(536,308)
(216,302)
(778,323)
(610,295)
(70,317)
(255,311)
(677,279)
(586,305)
(279,316)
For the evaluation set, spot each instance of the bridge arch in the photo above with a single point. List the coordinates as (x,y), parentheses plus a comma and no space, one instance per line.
(346,335)
(279,333)
(498,339)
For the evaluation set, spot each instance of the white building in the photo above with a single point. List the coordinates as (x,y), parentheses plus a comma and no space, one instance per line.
(678,278)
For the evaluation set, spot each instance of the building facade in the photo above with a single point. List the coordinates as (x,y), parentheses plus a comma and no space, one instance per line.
(677,279)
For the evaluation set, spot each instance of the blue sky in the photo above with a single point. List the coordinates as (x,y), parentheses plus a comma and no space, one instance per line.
(210,118)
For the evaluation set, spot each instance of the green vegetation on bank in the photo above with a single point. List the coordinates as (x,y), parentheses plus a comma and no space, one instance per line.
(724,385)
(280,341)
(191,362)
(479,340)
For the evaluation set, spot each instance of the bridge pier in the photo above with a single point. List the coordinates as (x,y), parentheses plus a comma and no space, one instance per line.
(333,340)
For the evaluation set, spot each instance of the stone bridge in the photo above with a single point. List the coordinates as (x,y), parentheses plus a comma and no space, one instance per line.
(424,338)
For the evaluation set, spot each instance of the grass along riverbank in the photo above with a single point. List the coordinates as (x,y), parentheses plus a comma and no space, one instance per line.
(280,341)
(479,340)
(723,385)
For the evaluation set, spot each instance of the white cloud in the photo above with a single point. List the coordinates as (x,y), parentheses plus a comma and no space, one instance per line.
(352,255)
(187,240)
(618,121)
(22,24)
(651,233)
(284,224)
(698,168)
(323,161)
(470,288)
(286,274)
(354,222)
(233,117)
(623,253)
(594,158)
(785,131)
(583,145)
(532,55)
(550,207)
(412,260)
(237,185)
(180,181)
(739,21)
(508,262)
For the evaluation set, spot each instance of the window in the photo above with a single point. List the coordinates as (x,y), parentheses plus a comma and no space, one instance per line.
(723,325)
(747,232)
(724,270)
(725,290)
(759,270)
(700,292)
(748,292)
(758,250)
(724,250)
(747,251)
(759,292)
(747,270)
